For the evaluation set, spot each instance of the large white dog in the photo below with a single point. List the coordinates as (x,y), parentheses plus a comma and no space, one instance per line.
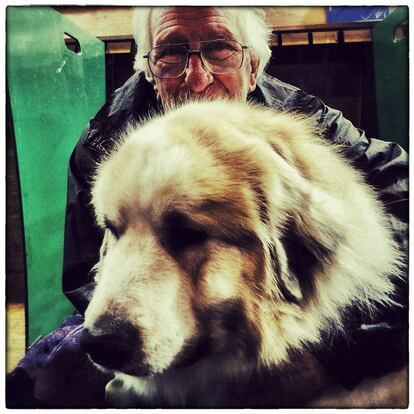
(234,239)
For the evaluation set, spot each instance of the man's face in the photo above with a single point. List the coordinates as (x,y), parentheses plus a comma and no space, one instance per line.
(193,25)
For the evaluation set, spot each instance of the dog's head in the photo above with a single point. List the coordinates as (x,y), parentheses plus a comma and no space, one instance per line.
(201,218)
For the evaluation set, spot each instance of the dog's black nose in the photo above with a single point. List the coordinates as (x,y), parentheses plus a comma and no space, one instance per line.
(114,347)
(107,350)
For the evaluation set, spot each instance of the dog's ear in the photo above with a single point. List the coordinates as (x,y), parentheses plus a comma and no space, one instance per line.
(310,239)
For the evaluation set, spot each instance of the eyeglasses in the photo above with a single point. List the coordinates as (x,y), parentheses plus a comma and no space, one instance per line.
(217,56)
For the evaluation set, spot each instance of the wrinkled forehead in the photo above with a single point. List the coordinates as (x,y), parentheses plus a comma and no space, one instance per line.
(192,24)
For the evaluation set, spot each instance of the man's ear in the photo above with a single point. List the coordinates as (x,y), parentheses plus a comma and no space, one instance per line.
(254,64)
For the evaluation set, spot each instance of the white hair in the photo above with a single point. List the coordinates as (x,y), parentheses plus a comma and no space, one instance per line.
(250,22)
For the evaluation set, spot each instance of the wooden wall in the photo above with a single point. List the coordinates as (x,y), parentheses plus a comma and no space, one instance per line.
(116,21)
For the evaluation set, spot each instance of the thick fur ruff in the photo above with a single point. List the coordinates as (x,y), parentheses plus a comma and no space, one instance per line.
(234,239)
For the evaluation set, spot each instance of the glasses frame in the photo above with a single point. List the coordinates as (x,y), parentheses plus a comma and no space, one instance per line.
(194,52)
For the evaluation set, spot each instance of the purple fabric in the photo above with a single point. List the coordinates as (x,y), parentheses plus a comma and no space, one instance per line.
(60,372)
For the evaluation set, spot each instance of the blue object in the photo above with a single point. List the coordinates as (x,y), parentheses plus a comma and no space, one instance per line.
(347,14)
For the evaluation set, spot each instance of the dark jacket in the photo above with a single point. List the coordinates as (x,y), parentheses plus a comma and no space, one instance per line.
(384,164)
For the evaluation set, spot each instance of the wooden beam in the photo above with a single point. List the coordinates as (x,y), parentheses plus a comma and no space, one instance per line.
(287,16)
(292,25)
(116,20)
(100,21)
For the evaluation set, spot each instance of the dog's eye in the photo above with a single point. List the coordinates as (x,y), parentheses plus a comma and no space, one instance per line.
(110,226)
(186,238)
(180,238)
(178,233)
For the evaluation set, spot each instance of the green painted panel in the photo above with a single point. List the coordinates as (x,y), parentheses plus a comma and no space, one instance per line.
(391,76)
(53,93)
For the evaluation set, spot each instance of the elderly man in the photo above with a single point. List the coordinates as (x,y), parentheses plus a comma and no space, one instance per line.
(187,53)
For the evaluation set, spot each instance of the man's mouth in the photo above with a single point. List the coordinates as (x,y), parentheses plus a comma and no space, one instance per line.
(207,95)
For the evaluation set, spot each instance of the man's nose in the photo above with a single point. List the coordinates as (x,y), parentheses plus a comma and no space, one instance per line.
(197,77)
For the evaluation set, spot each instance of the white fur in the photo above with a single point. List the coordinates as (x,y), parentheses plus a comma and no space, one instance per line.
(186,157)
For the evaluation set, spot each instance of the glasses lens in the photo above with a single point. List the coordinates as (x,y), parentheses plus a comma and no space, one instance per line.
(222,56)
(168,61)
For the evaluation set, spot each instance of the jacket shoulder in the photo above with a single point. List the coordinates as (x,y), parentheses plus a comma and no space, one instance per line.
(133,101)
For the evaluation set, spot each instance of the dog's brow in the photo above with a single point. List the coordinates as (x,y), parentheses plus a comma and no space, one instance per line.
(222,216)
(222,221)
